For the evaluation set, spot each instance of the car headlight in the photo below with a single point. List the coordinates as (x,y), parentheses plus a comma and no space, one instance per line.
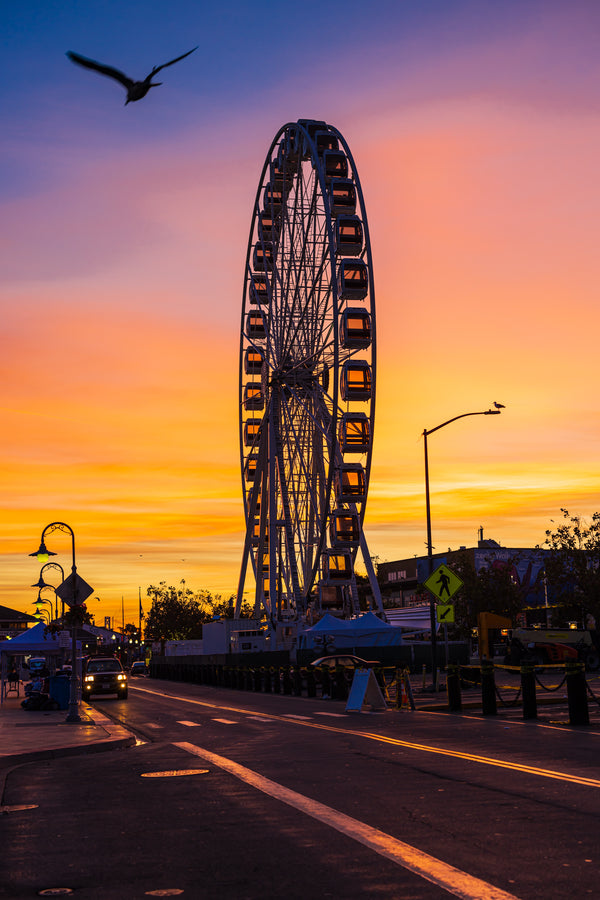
(89,678)
(122,677)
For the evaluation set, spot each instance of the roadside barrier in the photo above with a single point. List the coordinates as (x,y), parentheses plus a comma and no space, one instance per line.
(528,692)
(488,689)
(579,713)
(453,689)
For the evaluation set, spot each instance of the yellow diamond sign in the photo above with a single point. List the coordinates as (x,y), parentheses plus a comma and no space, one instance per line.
(443,583)
(444,613)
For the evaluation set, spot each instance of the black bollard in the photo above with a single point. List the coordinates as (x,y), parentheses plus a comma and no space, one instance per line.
(287,681)
(276,681)
(311,685)
(577,693)
(453,689)
(268,679)
(297,682)
(488,689)
(339,685)
(528,692)
(325,682)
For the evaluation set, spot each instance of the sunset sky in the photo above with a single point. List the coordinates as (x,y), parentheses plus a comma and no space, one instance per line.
(475,128)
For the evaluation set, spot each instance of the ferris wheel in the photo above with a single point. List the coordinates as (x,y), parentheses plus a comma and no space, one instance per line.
(307,377)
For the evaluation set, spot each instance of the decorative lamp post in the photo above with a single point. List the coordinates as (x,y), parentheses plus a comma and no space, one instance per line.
(41,600)
(426,433)
(74,591)
(41,584)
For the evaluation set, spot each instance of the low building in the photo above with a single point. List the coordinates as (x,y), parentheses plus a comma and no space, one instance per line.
(401,580)
(13,622)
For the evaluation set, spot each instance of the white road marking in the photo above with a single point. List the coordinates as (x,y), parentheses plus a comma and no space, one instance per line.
(225,721)
(151,725)
(453,880)
(332,715)
(292,716)
(189,724)
(396,742)
(258,718)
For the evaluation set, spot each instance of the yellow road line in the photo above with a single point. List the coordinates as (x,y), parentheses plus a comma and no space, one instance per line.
(396,742)
(459,883)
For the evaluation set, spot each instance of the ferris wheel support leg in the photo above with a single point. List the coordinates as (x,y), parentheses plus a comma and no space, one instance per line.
(242,581)
(371,572)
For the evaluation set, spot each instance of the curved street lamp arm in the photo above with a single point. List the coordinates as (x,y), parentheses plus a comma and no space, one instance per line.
(53,565)
(486,412)
(57,526)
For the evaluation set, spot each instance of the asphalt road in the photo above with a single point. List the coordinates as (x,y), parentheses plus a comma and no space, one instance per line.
(232,795)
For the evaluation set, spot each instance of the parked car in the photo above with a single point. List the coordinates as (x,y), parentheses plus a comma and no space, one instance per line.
(138,668)
(104,675)
(346,660)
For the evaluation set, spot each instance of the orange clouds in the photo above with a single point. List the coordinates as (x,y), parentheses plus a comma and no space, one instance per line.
(121,304)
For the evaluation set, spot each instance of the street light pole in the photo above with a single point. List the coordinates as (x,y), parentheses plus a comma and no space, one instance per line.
(42,554)
(41,600)
(40,583)
(426,433)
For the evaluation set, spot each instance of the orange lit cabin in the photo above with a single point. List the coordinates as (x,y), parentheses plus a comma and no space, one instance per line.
(335,164)
(311,126)
(336,567)
(266,588)
(250,467)
(325,141)
(268,227)
(350,483)
(331,596)
(262,257)
(265,563)
(256,324)
(249,501)
(274,197)
(355,329)
(353,279)
(259,289)
(251,431)
(355,380)
(354,433)
(289,150)
(253,396)
(253,361)
(280,175)
(342,196)
(349,235)
(256,531)
(344,528)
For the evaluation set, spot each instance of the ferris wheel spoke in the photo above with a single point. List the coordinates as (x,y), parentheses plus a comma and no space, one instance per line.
(308,506)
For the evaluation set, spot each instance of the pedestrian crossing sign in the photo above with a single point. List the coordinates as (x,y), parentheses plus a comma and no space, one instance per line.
(443,583)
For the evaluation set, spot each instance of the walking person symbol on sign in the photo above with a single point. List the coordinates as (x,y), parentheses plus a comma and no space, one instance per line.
(444,583)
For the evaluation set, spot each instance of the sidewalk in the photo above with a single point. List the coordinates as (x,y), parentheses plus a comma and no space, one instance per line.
(30,735)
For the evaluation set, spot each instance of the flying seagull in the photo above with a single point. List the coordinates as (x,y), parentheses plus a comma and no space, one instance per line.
(499,405)
(135,89)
